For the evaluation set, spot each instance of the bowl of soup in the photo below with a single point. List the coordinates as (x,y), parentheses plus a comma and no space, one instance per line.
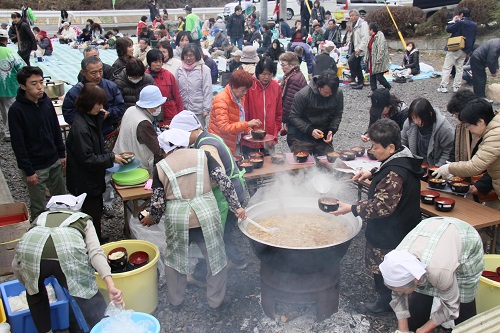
(301,156)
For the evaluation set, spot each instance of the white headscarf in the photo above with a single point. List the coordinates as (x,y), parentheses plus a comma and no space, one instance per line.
(185,120)
(400,268)
(173,138)
(66,201)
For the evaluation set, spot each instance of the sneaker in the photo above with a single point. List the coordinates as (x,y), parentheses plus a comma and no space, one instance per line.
(443,89)
(239,265)
(455,89)
(108,211)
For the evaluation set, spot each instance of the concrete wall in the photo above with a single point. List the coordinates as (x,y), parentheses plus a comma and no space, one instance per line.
(431,45)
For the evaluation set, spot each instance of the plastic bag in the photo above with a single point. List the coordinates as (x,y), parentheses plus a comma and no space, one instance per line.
(120,321)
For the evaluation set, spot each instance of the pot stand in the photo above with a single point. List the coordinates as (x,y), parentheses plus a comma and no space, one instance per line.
(320,288)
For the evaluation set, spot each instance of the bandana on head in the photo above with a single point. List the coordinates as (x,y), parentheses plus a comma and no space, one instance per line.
(185,120)
(400,268)
(66,201)
(173,138)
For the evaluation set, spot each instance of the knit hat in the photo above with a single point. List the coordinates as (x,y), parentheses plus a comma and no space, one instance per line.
(216,31)
(173,138)
(150,97)
(66,201)
(249,54)
(185,120)
(380,99)
(400,268)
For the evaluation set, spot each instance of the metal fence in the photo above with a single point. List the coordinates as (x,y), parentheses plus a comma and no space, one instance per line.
(80,17)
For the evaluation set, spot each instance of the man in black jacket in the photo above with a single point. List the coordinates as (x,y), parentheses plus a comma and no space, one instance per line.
(484,56)
(107,70)
(36,139)
(21,34)
(236,27)
(333,33)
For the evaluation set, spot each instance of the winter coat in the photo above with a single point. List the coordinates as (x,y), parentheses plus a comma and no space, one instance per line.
(225,118)
(312,111)
(303,31)
(324,62)
(115,104)
(377,56)
(14,63)
(46,45)
(214,70)
(235,26)
(35,133)
(307,56)
(220,42)
(274,54)
(441,141)
(334,35)
(411,61)
(487,156)
(318,13)
(130,91)
(165,81)
(487,54)
(294,84)
(467,28)
(87,158)
(285,30)
(360,35)
(264,103)
(119,64)
(196,88)
(388,231)
(267,38)
(317,37)
(27,41)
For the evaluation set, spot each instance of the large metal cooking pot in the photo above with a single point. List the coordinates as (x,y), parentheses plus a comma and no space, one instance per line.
(298,260)
(53,88)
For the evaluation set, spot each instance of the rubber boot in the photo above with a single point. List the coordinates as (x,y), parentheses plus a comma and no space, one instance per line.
(381,305)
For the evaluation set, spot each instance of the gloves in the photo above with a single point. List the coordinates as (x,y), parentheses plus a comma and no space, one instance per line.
(442,172)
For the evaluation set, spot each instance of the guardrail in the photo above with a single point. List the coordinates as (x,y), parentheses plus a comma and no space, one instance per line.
(81,16)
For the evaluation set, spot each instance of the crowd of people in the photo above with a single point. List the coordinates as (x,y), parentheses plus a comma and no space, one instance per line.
(157,101)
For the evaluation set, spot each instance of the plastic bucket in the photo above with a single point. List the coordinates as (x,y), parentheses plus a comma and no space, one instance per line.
(140,286)
(488,291)
(136,316)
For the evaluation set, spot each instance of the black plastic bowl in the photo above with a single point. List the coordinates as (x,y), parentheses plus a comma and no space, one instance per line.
(278,158)
(332,156)
(257,162)
(247,165)
(460,187)
(347,155)
(438,184)
(258,134)
(360,151)
(301,156)
(328,204)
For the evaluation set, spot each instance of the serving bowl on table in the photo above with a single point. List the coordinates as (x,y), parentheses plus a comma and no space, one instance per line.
(332,156)
(370,154)
(460,187)
(278,158)
(255,154)
(428,196)
(360,150)
(257,162)
(431,169)
(238,159)
(444,204)
(438,184)
(258,134)
(247,165)
(301,156)
(328,204)
(128,156)
(347,155)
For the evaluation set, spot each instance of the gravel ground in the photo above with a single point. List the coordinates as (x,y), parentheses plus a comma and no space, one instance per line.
(244,313)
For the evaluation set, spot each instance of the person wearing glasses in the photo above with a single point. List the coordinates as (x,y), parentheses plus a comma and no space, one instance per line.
(316,114)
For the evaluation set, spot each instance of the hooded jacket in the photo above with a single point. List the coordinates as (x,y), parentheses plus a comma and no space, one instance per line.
(388,231)
(35,133)
(87,157)
(130,91)
(26,41)
(411,61)
(441,141)
(264,103)
(310,110)
(196,88)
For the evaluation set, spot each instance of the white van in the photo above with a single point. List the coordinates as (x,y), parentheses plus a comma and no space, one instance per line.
(292,7)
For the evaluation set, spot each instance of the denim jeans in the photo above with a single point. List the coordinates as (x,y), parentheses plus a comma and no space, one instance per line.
(237,40)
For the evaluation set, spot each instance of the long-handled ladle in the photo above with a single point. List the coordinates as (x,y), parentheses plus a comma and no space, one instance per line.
(270,231)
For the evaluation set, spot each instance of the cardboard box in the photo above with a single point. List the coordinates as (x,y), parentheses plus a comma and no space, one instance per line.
(7,252)
(14,221)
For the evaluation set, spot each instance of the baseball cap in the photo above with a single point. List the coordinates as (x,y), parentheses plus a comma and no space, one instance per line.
(3,33)
(189,8)
(380,99)
(150,97)
(216,31)
(4,24)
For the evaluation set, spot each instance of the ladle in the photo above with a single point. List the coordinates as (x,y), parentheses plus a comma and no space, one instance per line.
(322,183)
(270,231)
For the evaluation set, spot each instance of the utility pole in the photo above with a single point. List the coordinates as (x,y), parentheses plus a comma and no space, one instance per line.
(263,12)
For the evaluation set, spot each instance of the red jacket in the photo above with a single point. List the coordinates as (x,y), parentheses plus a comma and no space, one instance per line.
(167,84)
(225,118)
(139,27)
(265,104)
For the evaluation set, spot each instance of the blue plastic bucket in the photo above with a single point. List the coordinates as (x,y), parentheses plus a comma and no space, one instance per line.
(136,317)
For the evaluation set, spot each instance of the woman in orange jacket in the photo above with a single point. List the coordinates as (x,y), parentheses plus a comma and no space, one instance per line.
(227,116)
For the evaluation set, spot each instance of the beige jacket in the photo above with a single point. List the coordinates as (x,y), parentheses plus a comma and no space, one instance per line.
(487,156)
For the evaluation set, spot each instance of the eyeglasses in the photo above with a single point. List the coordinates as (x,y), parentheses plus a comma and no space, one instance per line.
(284,64)
(466,125)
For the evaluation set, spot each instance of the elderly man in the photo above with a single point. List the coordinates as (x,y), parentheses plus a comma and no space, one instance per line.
(92,71)
(333,33)
(304,53)
(36,139)
(107,70)
(8,81)
(441,257)
(143,49)
(67,35)
(220,41)
(359,45)
(21,34)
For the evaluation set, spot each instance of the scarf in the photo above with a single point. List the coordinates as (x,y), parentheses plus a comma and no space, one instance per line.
(370,47)
(287,76)
(190,67)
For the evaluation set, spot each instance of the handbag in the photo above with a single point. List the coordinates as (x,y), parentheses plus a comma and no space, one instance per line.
(456,43)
